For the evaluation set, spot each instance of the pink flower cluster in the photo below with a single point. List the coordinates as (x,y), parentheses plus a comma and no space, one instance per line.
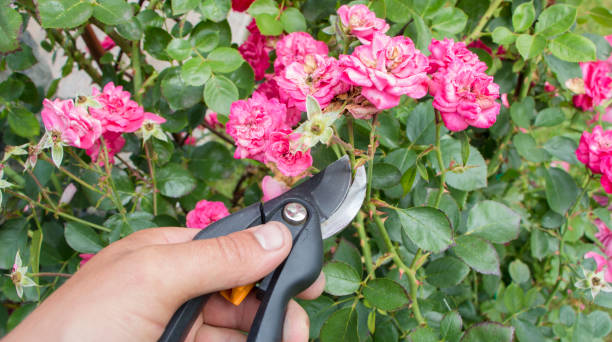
(597,85)
(604,235)
(595,151)
(463,94)
(205,213)
(256,51)
(361,22)
(76,127)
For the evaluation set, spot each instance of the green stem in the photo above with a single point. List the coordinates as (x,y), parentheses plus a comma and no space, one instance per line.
(371,150)
(398,261)
(109,179)
(349,125)
(440,161)
(483,21)
(152,173)
(74,177)
(137,72)
(365,245)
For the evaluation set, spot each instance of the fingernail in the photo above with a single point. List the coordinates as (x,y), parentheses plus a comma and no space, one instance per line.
(269,236)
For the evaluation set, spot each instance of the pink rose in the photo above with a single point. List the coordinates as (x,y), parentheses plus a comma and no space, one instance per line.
(255,51)
(478,44)
(387,69)
(597,85)
(154,118)
(76,126)
(593,147)
(113,141)
(605,236)
(361,22)
(85,257)
(550,88)
(289,159)
(206,213)
(250,123)
(241,5)
(108,43)
(212,120)
(270,89)
(465,96)
(118,112)
(272,188)
(602,262)
(447,51)
(294,47)
(606,173)
(317,75)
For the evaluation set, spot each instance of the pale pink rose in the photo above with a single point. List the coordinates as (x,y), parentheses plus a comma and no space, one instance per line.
(272,188)
(113,141)
(290,160)
(294,47)
(361,22)
(597,85)
(250,123)
(85,257)
(206,213)
(361,108)
(504,99)
(118,112)
(447,51)
(212,120)
(154,118)
(465,96)
(108,43)
(76,127)
(604,235)
(387,69)
(602,263)
(317,76)
(594,147)
(255,51)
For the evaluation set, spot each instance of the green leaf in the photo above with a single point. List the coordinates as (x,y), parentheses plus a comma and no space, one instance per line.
(64,13)
(420,125)
(13,237)
(174,181)
(523,16)
(112,12)
(215,10)
(388,131)
(503,36)
(21,59)
(183,6)
(563,70)
(176,91)
(449,20)
(179,49)
(519,272)
(385,176)
(527,148)
(555,20)
(572,47)
(155,42)
(348,254)
(603,47)
(602,16)
(427,227)
(600,323)
(195,72)
(493,221)
(19,315)
(450,327)
(467,177)
(341,326)
(522,112)
(224,60)
(513,298)
(208,35)
(131,30)
(263,7)
(318,311)
(10,25)
(562,148)
(219,94)
(542,244)
(385,294)
(527,331)
(487,332)
(82,238)
(244,79)
(11,89)
(23,122)
(211,161)
(293,20)
(446,272)
(340,278)
(206,41)
(561,190)
(402,158)
(269,25)
(549,117)
(398,10)
(424,334)
(477,253)
(530,46)
(423,33)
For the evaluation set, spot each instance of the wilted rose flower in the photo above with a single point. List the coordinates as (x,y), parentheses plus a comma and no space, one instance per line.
(250,123)
(206,213)
(447,51)
(294,47)
(118,113)
(465,96)
(74,125)
(289,159)
(317,75)
(272,188)
(113,141)
(387,69)
(255,51)
(361,108)
(597,85)
(361,22)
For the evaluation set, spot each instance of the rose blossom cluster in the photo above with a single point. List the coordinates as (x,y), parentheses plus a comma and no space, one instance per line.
(604,262)
(595,151)
(205,213)
(104,116)
(597,85)
(256,51)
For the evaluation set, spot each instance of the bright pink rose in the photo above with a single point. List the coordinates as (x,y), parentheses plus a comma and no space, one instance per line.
(289,159)
(255,51)
(447,51)
(465,96)
(212,120)
(549,87)
(250,123)
(602,262)
(206,213)
(241,5)
(270,89)
(85,257)
(605,236)
(594,147)
(118,112)
(272,188)
(108,43)
(317,75)
(387,69)
(606,173)
(76,126)
(113,141)
(361,22)
(294,47)
(597,85)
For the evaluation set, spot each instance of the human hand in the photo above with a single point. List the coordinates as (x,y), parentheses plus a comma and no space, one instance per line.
(130,289)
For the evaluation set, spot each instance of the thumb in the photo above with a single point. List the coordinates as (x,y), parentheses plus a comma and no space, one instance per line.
(203,266)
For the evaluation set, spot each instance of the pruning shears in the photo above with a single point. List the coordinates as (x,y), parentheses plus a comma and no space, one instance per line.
(314,210)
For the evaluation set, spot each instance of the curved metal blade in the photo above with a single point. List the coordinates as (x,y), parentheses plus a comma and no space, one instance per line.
(349,207)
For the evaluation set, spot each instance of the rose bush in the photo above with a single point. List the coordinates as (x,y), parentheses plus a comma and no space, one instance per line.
(484,126)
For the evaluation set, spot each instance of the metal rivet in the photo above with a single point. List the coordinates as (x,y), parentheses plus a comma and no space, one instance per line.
(295,213)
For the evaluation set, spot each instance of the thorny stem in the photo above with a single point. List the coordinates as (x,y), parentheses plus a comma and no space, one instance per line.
(215,132)
(51,274)
(74,177)
(372,151)
(43,190)
(440,160)
(365,245)
(152,173)
(349,125)
(483,21)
